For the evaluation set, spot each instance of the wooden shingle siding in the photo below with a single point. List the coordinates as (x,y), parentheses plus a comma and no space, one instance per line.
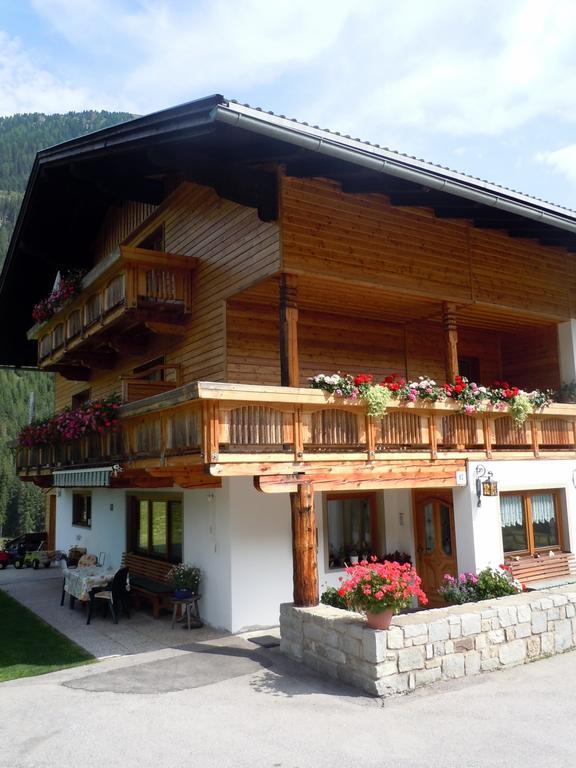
(118,224)
(362,238)
(235,250)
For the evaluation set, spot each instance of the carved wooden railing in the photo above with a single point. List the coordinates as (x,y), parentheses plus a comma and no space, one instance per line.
(130,280)
(236,425)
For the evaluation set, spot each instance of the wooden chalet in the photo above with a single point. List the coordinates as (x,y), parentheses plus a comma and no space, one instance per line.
(231,254)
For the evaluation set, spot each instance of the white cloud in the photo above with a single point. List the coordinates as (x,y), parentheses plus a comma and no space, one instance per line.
(27,87)
(562,161)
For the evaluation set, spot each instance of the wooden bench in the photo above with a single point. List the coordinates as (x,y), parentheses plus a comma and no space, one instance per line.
(528,570)
(148,581)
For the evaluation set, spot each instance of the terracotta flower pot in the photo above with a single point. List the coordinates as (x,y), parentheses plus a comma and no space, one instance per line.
(380,620)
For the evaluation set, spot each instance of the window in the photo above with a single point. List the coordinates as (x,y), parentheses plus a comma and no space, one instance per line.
(81,398)
(469,367)
(156,527)
(82,509)
(155,368)
(154,241)
(351,527)
(530,521)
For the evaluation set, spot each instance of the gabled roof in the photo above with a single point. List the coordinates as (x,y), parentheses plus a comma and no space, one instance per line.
(229,146)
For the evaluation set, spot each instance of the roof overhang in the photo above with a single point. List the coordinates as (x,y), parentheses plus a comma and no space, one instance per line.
(232,148)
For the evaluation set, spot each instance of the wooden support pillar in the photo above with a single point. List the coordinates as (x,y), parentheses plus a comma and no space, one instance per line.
(451,339)
(304,556)
(289,368)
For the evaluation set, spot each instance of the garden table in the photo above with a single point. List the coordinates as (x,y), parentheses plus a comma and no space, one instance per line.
(79,581)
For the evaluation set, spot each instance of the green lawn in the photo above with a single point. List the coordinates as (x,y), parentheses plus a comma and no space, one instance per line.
(28,646)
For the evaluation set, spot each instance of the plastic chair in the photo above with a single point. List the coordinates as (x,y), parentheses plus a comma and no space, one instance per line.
(117,596)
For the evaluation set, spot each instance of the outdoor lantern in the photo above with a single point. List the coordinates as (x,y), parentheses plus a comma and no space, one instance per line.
(487,487)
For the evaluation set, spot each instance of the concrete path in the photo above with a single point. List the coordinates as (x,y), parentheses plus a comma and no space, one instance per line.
(227,702)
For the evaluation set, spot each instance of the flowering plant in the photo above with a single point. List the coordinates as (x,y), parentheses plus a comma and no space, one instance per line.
(68,287)
(488,584)
(70,424)
(185,576)
(374,587)
(472,397)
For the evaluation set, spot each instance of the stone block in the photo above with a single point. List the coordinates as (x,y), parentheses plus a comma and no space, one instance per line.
(570,611)
(563,635)
(332,654)
(471,624)
(533,646)
(429,651)
(472,661)
(463,644)
(427,676)
(512,653)
(439,630)
(395,637)
(455,631)
(489,665)
(495,623)
(510,633)
(486,624)
(547,642)
(480,642)
(414,630)
(524,613)
(312,631)
(539,622)
(496,636)
(453,666)
(410,658)
(386,668)
(559,600)
(553,614)
(353,647)
(439,649)
(489,613)
(435,663)
(448,647)
(507,615)
(524,629)
(390,686)
(545,603)
(420,640)
(374,646)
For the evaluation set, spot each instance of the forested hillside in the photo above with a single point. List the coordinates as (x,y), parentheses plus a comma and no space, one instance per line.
(21,136)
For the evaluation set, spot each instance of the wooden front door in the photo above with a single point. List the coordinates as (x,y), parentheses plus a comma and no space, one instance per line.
(435,541)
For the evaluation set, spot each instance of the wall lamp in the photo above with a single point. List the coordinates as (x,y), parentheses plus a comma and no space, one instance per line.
(486,487)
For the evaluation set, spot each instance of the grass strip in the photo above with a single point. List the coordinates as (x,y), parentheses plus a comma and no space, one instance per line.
(29,646)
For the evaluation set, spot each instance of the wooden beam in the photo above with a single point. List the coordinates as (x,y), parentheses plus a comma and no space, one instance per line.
(399,474)
(289,366)
(304,539)
(451,340)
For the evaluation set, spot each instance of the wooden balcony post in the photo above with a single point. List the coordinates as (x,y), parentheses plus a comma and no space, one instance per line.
(451,339)
(289,368)
(304,557)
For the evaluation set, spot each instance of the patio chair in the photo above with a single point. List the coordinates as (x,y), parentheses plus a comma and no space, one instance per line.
(117,596)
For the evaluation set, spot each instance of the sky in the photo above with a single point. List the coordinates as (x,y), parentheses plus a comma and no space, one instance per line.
(487,87)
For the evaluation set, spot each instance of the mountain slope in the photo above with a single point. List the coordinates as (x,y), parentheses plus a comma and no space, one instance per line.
(21,136)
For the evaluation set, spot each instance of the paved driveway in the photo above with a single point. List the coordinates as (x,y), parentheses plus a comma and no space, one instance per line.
(228,702)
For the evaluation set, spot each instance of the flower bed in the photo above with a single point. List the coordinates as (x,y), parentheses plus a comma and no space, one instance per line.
(472,397)
(94,417)
(489,583)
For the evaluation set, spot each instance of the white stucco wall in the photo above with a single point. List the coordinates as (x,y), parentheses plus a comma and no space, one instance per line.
(107,533)
(478,531)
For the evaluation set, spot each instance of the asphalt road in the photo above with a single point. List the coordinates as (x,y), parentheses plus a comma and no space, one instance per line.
(231,703)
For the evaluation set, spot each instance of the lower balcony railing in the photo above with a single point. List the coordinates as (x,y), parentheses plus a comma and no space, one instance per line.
(238,425)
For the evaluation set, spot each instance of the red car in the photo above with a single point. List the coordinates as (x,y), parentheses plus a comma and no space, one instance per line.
(5,559)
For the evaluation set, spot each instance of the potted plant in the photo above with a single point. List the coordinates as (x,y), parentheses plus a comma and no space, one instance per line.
(381,590)
(185,579)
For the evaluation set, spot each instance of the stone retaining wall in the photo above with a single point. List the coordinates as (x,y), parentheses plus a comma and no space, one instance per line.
(428,646)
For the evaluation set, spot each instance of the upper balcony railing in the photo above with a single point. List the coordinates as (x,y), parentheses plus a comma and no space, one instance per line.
(131,287)
(243,429)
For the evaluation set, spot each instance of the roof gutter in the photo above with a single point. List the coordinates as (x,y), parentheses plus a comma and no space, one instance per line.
(381,161)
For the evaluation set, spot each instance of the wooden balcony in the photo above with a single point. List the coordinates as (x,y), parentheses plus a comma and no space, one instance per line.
(277,432)
(132,294)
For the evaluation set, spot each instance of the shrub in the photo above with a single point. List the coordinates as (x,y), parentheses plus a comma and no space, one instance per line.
(470,588)
(331,596)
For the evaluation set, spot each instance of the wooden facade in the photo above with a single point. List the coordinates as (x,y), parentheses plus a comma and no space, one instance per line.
(339,281)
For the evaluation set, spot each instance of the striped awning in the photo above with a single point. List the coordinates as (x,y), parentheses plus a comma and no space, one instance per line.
(83,478)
